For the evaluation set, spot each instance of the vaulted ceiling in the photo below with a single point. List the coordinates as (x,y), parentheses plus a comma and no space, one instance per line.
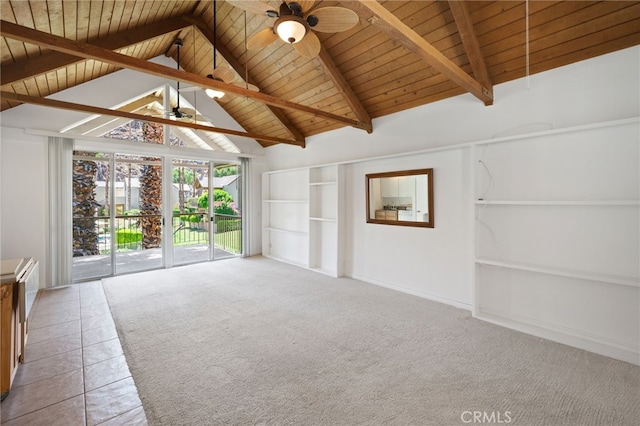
(399,55)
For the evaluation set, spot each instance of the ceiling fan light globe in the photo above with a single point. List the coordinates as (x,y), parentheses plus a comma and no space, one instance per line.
(214,94)
(291,29)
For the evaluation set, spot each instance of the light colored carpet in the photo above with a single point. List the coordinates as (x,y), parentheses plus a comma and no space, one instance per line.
(255,341)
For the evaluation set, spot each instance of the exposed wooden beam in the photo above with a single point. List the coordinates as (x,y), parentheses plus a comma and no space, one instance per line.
(89,51)
(345,89)
(51,61)
(237,66)
(387,22)
(470,42)
(52,103)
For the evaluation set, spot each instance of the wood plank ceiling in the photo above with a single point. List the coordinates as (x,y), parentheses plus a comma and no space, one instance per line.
(400,55)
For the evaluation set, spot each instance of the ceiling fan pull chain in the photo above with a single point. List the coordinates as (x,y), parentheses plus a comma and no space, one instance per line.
(215,33)
(178,43)
(527,40)
(246,56)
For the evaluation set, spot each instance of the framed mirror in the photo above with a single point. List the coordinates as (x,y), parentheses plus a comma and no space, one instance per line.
(403,198)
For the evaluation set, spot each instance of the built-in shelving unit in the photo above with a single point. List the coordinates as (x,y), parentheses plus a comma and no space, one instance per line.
(556,240)
(326,209)
(285,204)
(303,217)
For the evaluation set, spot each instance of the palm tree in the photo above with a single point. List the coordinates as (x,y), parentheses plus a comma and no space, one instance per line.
(151,191)
(85,233)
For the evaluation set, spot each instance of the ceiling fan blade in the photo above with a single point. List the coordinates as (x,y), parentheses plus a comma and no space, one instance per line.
(255,7)
(306,5)
(262,39)
(151,112)
(186,111)
(224,73)
(226,98)
(178,113)
(334,19)
(190,113)
(309,46)
(247,86)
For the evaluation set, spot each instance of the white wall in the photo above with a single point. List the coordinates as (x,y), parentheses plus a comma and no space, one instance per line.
(438,263)
(24,194)
(429,262)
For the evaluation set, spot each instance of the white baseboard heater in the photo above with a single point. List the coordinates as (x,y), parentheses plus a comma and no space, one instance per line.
(29,283)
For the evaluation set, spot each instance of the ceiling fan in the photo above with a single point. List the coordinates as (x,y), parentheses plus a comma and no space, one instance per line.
(223,73)
(295,22)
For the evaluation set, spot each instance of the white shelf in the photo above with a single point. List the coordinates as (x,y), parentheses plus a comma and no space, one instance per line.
(549,270)
(559,203)
(323,219)
(308,199)
(288,231)
(286,201)
(322,183)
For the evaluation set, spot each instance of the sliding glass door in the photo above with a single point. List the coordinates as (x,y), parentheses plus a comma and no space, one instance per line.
(137,213)
(191,220)
(227,210)
(91,219)
(117,214)
(119,225)
(205,226)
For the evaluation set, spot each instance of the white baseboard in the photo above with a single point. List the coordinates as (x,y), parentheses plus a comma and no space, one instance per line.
(424,295)
(564,335)
(284,260)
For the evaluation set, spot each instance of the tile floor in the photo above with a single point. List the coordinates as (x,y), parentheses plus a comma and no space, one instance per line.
(75,372)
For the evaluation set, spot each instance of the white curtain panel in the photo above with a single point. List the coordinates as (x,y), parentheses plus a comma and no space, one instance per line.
(60,216)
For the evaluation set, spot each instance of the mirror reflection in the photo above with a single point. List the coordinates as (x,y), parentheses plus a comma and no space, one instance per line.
(402,198)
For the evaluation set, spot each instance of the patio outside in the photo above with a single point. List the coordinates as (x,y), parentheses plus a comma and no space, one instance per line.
(190,244)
